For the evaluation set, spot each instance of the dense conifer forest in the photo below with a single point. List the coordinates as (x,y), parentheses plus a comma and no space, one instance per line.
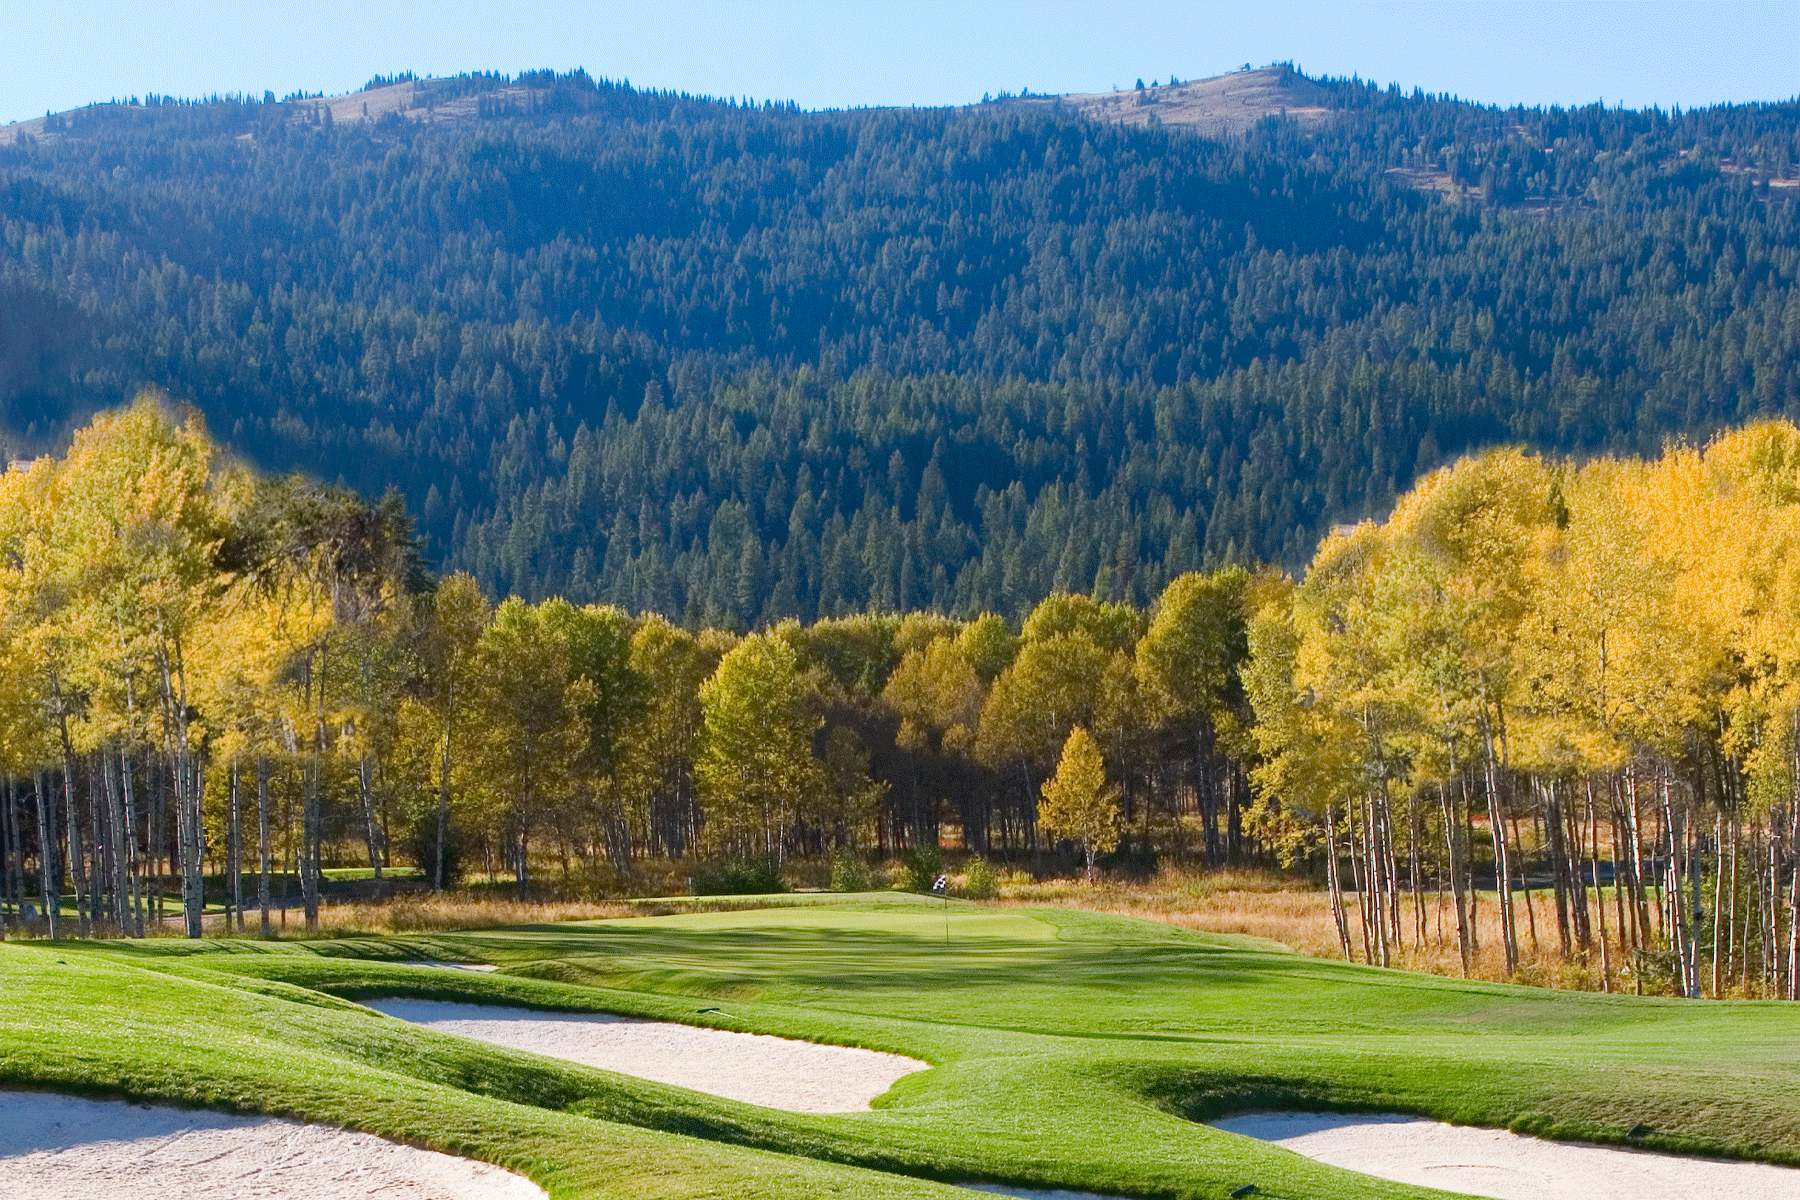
(735,362)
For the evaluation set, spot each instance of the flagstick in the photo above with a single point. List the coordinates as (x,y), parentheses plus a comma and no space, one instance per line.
(942,887)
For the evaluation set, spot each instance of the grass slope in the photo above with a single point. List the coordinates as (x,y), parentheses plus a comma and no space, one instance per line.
(1070,1049)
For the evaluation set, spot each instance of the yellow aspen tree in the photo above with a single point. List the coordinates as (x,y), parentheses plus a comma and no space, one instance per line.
(1078,804)
(135,531)
(989,645)
(936,689)
(1110,626)
(1482,522)
(1187,665)
(26,742)
(445,648)
(1309,755)
(673,663)
(757,767)
(532,730)
(1051,686)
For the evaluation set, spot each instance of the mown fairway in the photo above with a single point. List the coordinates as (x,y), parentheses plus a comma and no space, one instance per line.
(1071,1050)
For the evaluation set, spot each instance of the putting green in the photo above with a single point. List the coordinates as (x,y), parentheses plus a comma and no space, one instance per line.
(1070,1050)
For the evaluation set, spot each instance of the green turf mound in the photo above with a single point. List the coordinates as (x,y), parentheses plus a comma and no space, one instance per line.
(1070,1050)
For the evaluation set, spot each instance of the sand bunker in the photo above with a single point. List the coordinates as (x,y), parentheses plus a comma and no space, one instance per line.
(63,1148)
(1507,1166)
(447,966)
(752,1067)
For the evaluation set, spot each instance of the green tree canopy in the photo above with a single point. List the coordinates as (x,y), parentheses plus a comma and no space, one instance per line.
(757,767)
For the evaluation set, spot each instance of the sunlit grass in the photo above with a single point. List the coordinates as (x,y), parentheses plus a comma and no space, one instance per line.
(1069,1048)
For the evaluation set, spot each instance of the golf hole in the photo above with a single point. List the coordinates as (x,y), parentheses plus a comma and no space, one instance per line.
(1504,1165)
(55,1147)
(752,1067)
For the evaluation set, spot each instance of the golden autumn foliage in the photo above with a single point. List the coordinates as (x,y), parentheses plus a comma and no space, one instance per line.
(1078,803)
(1603,654)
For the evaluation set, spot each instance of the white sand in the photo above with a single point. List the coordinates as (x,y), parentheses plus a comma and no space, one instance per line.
(1508,1166)
(752,1067)
(63,1148)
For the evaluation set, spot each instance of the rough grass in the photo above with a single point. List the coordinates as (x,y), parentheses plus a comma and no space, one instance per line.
(454,910)
(1280,909)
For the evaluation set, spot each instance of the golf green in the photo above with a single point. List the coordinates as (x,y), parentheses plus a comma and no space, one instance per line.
(1069,1050)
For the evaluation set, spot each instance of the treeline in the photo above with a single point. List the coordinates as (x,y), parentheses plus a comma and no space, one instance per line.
(209,671)
(1567,694)
(739,363)
(1576,682)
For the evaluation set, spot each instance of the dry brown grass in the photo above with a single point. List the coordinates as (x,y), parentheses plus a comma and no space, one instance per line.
(453,910)
(1226,104)
(1252,903)
(1264,905)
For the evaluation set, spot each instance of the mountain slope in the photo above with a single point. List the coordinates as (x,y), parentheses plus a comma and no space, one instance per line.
(738,362)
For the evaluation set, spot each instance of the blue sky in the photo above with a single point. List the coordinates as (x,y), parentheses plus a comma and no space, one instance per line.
(925,52)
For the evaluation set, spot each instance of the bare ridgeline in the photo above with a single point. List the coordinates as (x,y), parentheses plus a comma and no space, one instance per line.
(1225,105)
(1228,104)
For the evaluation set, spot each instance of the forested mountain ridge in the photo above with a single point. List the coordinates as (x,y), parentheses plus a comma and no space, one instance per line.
(733,362)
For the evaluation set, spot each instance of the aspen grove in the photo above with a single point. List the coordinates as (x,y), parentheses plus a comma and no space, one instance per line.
(1563,694)
(1574,686)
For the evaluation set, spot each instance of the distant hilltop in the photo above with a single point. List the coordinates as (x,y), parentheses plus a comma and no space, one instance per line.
(427,101)
(1227,104)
